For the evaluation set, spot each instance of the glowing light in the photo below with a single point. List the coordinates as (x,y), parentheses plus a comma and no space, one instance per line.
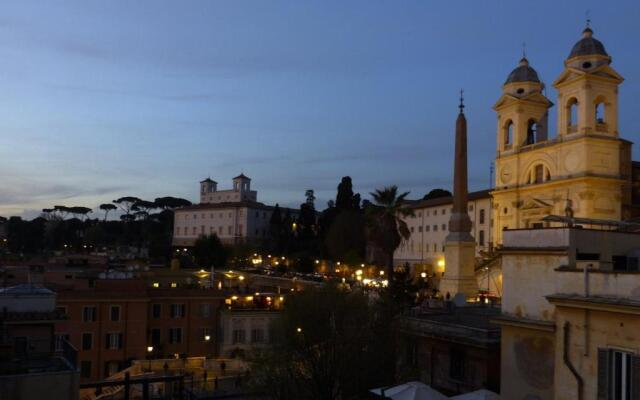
(185,249)
(317,261)
(366,281)
(207,337)
(299,330)
(381,273)
(149,349)
(359,278)
(423,274)
(257,293)
(241,277)
(202,271)
(156,284)
(359,272)
(249,298)
(362,265)
(337,270)
(268,298)
(174,285)
(234,297)
(220,285)
(338,263)
(343,280)
(292,289)
(283,257)
(281,298)
(440,263)
(385,283)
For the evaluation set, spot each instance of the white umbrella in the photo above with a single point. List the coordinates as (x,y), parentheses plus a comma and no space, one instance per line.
(411,391)
(482,394)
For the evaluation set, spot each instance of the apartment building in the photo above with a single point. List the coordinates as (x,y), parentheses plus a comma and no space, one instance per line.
(119,320)
(428,229)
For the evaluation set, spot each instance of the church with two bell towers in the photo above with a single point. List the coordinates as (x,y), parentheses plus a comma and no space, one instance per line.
(586,170)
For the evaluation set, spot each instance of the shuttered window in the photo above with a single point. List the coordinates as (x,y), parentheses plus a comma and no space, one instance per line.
(618,375)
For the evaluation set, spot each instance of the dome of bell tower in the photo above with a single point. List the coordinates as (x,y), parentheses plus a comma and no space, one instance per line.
(523,73)
(588,46)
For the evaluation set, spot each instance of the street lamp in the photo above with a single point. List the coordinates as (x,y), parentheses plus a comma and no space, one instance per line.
(207,338)
(149,349)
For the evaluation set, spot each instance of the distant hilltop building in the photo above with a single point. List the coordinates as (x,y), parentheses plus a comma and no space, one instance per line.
(234,215)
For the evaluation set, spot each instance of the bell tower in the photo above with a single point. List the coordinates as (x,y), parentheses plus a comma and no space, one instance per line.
(522,110)
(586,164)
(588,90)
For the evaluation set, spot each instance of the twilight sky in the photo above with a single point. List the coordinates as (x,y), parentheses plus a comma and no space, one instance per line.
(101,99)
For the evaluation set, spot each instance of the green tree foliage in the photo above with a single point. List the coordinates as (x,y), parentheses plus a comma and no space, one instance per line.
(437,193)
(385,225)
(332,344)
(208,252)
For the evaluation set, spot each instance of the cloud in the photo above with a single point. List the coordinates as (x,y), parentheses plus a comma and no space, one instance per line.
(179,97)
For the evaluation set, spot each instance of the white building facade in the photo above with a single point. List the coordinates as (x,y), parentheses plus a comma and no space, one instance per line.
(234,215)
(428,229)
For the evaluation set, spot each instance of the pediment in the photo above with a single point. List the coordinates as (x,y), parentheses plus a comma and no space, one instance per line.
(603,71)
(535,98)
(533,203)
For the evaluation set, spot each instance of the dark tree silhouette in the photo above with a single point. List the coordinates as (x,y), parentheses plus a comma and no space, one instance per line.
(385,224)
(126,204)
(107,207)
(437,193)
(170,203)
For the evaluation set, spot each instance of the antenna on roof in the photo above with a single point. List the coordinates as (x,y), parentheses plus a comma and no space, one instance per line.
(461,106)
(524,48)
(587,14)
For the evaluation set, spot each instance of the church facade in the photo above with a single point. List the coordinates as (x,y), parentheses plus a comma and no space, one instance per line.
(586,170)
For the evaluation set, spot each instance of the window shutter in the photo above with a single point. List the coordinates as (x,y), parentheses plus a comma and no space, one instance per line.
(635,377)
(120,340)
(603,374)
(106,341)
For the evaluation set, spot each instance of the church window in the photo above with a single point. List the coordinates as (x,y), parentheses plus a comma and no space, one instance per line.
(572,114)
(532,129)
(508,133)
(586,65)
(539,174)
(482,216)
(600,108)
(520,90)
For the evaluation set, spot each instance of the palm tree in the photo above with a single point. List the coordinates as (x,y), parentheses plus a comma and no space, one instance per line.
(385,224)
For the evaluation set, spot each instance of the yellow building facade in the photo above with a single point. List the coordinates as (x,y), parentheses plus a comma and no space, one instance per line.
(586,169)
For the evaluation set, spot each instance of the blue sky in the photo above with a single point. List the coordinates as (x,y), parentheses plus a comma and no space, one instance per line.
(104,99)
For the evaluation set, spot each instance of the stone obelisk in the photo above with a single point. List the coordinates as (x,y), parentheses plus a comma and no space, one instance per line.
(459,280)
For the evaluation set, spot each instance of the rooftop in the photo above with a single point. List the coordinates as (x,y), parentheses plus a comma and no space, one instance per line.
(471,324)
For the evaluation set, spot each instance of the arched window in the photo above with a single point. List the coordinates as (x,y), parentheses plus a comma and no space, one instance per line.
(508,133)
(539,174)
(532,129)
(600,112)
(572,114)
